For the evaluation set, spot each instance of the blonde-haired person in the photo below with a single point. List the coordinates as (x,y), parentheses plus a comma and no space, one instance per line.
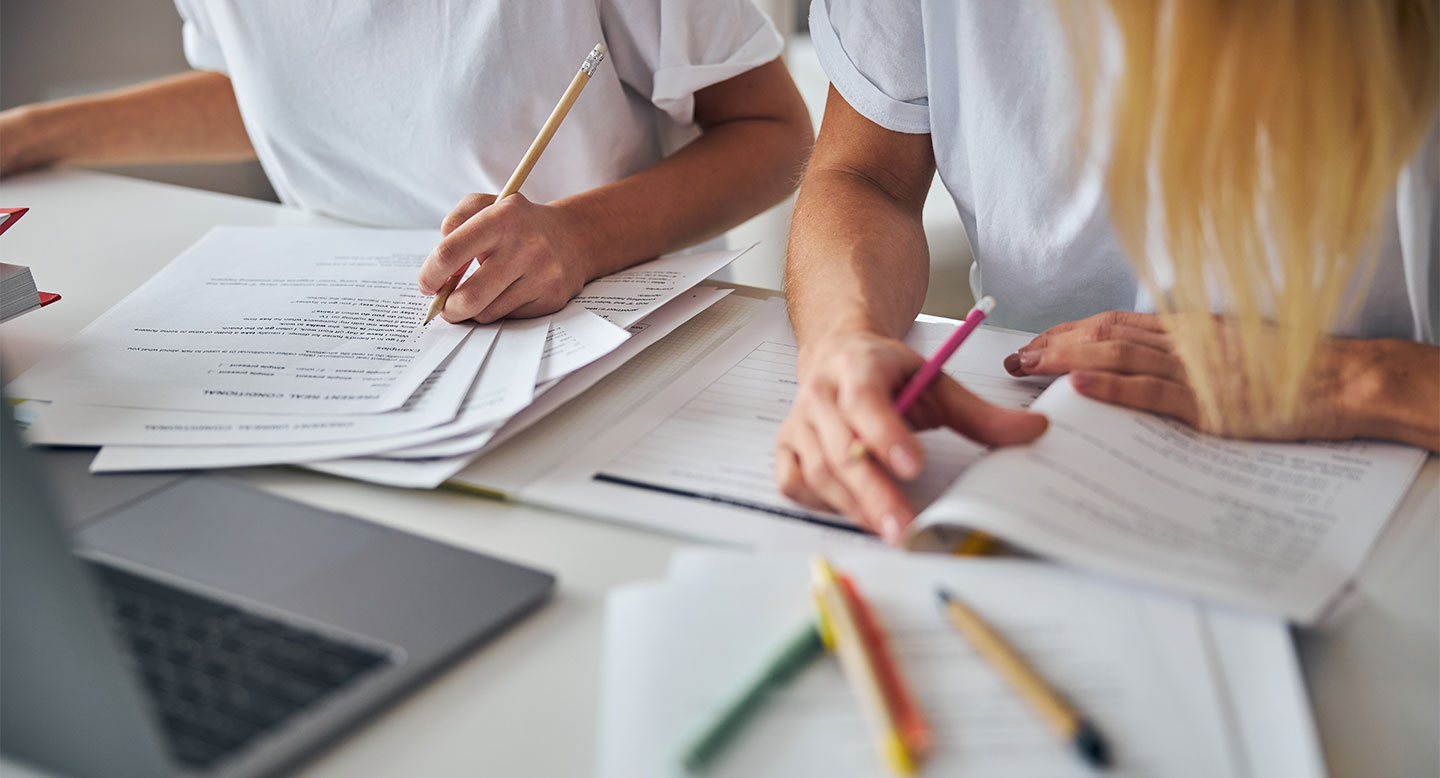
(391,113)
(1273,161)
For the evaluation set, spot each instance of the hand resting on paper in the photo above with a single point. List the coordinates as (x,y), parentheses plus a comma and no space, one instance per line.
(1386,389)
(531,259)
(847,386)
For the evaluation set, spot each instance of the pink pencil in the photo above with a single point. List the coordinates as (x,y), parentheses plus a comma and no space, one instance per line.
(931,370)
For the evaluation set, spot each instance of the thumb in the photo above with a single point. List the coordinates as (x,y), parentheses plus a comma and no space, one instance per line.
(981,421)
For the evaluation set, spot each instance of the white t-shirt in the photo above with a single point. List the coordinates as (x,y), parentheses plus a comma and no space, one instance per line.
(387,113)
(994,85)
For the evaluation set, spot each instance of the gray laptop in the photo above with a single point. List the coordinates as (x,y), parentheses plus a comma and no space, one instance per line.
(160,625)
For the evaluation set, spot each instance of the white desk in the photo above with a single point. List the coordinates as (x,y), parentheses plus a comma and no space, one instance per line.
(524,705)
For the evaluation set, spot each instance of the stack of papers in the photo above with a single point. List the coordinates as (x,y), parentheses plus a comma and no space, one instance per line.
(292,345)
(1177,688)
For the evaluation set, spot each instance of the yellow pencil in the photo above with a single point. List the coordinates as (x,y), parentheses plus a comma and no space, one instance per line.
(840,631)
(532,155)
(1050,704)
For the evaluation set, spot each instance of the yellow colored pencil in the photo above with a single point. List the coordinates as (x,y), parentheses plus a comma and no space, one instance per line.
(840,630)
(1034,689)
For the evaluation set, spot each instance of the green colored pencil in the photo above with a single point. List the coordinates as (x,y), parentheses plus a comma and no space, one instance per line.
(793,656)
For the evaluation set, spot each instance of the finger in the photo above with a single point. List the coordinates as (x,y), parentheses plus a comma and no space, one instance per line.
(477,238)
(819,478)
(980,421)
(483,286)
(539,306)
(879,502)
(1100,333)
(518,294)
(792,480)
(1145,393)
(470,205)
(1026,360)
(1116,356)
(869,411)
(1140,321)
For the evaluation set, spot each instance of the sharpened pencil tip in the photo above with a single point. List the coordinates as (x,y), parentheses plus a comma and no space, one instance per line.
(944,594)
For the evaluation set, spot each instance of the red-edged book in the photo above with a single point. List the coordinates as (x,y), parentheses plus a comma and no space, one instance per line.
(17,286)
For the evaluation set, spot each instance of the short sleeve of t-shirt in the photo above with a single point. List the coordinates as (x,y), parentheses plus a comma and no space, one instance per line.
(874,54)
(667,50)
(202,47)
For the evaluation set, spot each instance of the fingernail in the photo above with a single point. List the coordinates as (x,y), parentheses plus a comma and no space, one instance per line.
(890,529)
(1029,359)
(905,464)
(1080,378)
(1012,364)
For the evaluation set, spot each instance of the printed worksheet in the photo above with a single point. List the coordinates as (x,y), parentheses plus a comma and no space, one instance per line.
(505,386)
(436,402)
(577,337)
(621,299)
(541,435)
(262,320)
(630,295)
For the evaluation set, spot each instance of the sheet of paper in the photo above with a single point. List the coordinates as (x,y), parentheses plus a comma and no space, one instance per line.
(436,401)
(262,320)
(577,337)
(698,458)
(551,395)
(504,387)
(500,461)
(1252,658)
(1276,527)
(630,295)
(1134,663)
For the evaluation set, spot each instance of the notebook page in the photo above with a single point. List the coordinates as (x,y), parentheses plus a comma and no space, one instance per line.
(1275,527)
(702,452)
(1133,662)
(1253,658)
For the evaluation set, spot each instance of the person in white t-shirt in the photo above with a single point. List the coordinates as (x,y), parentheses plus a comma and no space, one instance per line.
(389,114)
(991,95)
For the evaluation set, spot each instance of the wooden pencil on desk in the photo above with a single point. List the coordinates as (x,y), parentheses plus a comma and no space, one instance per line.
(532,155)
(1050,704)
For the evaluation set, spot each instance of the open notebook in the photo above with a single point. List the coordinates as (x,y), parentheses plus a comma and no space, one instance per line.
(1178,689)
(1272,527)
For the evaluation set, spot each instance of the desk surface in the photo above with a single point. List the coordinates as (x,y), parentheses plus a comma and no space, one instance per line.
(525,704)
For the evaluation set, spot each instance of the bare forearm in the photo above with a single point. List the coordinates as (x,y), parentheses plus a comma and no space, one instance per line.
(857,259)
(1393,389)
(746,166)
(190,117)
(755,137)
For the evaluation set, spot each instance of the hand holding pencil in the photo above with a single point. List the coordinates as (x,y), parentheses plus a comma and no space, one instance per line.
(849,383)
(531,273)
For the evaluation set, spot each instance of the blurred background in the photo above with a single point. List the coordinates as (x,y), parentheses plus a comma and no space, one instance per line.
(45,54)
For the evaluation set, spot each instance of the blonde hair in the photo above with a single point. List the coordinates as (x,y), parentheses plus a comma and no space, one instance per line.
(1271,134)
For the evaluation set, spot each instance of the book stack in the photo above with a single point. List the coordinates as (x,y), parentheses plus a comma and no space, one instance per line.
(17,285)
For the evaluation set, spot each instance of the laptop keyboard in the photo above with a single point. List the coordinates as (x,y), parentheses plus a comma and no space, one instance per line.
(219,676)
